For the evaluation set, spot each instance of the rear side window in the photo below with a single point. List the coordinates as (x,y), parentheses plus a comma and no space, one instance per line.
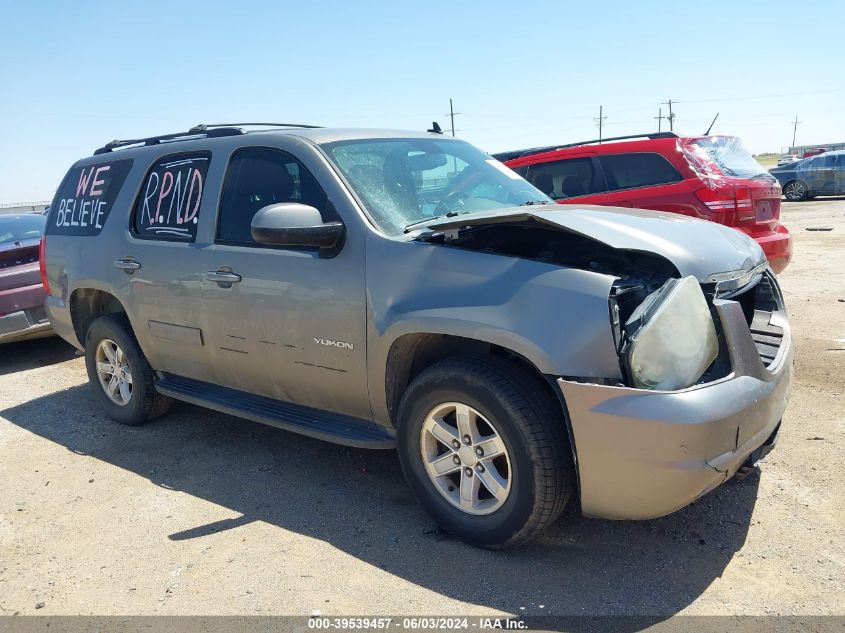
(628,171)
(260,176)
(86,197)
(823,162)
(565,178)
(168,205)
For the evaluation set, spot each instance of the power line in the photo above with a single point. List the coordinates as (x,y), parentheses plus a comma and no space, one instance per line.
(659,118)
(794,129)
(769,96)
(671,117)
(452,114)
(600,121)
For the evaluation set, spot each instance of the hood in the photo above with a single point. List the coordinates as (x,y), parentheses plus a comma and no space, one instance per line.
(699,248)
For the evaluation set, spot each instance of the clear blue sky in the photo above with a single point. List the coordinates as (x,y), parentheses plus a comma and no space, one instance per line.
(74,75)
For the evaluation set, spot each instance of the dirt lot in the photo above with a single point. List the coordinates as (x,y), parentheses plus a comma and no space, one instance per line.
(202,513)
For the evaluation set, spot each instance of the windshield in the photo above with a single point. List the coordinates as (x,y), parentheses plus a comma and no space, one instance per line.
(409,180)
(17,228)
(727,152)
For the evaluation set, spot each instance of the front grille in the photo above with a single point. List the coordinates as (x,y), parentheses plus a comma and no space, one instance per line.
(19,256)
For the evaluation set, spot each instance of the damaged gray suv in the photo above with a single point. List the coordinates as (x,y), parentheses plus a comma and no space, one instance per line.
(405,290)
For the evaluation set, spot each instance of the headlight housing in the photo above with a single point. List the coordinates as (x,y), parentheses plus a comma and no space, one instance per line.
(671,339)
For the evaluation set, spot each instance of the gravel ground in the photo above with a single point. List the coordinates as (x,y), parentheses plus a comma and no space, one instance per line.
(202,513)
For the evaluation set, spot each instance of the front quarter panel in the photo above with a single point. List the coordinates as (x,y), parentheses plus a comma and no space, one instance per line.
(555,317)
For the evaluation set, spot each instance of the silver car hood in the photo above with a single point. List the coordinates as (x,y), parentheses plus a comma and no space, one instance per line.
(705,250)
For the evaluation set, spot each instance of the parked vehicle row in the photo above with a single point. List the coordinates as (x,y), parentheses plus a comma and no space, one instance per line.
(405,290)
(708,177)
(821,175)
(711,177)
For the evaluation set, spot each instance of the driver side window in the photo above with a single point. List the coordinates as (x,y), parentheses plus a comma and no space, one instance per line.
(257,177)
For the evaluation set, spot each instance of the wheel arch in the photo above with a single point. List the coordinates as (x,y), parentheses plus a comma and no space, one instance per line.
(86,304)
(410,354)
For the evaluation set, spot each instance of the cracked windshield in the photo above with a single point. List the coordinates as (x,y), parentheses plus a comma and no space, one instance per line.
(406,182)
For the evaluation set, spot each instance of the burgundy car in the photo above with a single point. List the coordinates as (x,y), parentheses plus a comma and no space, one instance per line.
(22,293)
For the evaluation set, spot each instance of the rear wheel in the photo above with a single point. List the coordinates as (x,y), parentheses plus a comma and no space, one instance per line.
(121,379)
(795,190)
(484,448)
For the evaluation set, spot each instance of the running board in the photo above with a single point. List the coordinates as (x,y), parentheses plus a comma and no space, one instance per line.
(333,427)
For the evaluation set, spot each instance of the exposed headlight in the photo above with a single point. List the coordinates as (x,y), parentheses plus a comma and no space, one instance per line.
(671,337)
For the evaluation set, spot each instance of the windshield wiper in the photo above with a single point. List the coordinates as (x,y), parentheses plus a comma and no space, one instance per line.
(451,214)
(529,203)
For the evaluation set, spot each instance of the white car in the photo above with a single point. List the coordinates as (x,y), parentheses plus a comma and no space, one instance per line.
(786,159)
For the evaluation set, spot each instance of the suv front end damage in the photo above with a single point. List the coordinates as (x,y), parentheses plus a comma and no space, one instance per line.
(704,359)
(643,453)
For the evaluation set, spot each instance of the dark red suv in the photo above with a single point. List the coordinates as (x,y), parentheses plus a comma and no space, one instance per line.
(709,177)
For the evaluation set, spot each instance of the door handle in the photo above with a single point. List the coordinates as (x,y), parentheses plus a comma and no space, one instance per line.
(127,264)
(223,277)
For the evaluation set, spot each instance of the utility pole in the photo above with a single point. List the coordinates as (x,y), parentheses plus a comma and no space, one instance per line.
(671,117)
(794,130)
(452,114)
(660,118)
(600,121)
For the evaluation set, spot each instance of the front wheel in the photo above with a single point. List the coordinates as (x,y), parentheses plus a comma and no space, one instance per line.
(484,448)
(795,190)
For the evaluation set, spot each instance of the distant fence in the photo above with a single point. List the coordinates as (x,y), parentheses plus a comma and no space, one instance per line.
(23,207)
(830,147)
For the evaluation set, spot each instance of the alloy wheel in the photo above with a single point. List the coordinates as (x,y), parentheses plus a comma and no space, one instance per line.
(113,372)
(465,458)
(795,191)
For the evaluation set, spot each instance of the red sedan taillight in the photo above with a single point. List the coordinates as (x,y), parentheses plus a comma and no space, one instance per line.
(730,205)
(744,204)
(42,264)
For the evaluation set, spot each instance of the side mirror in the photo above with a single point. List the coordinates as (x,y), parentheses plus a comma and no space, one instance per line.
(294,224)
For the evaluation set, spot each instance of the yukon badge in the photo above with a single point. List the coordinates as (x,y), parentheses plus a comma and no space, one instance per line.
(327,341)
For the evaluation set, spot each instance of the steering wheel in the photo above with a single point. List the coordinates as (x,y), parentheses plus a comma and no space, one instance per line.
(453,201)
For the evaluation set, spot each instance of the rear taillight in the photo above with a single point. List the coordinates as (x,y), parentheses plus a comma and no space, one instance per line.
(720,202)
(730,205)
(744,204)
(42,264)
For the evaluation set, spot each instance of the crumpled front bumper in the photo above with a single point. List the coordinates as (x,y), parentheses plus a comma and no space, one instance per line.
(643,454)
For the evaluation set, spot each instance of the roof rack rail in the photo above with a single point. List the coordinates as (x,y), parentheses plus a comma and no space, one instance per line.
(163,138)
(518,153)
(202,127)
(203,130)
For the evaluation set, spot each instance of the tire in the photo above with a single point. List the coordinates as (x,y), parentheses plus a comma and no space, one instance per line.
(142,402)
(531,426)
(795,191)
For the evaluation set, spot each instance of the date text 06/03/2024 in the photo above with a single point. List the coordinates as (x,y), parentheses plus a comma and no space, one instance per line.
(415,623)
